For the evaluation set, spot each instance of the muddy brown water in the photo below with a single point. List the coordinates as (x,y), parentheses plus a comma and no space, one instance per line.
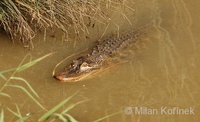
(162,72)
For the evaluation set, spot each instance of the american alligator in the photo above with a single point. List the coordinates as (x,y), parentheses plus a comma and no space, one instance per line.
(105,48)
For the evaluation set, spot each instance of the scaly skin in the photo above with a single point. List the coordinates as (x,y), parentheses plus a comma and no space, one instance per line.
(94,60)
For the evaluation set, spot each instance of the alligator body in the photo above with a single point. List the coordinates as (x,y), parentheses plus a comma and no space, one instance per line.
(105,48)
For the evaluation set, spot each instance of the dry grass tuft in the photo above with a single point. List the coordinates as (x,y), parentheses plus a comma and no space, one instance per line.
(19,18)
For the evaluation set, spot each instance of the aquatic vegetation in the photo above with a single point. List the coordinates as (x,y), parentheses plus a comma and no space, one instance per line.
(31,93)
(13,81)
(64,116)
(49,115)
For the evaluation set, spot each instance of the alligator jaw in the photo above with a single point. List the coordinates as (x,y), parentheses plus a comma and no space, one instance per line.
(65,79)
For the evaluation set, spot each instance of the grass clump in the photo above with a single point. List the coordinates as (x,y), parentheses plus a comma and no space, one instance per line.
(12,81)
(63,116)
(19,18)
(49,115)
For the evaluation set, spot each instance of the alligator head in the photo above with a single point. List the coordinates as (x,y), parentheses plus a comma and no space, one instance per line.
(76,70)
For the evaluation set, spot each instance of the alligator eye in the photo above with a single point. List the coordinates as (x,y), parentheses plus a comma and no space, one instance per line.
(85,66)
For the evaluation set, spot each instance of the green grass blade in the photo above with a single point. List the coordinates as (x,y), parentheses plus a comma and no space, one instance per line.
(61,117)
(99,120)
(23,89)
(22,67)
(1,16)
(31,63)
(2,116)
(2,76)
(50,112)
(14,113)
(23,118)
(18,114)
(72,106)
(25,66)
(8,70)
(29,86)
(71,119)
(4,94)
(18,111)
